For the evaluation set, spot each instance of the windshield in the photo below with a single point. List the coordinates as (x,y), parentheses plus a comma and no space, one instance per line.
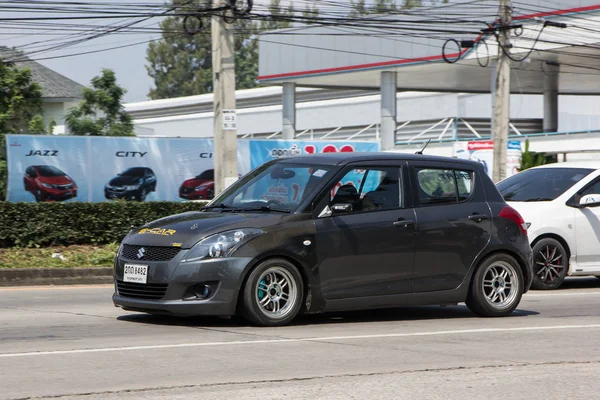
(208,175)
(543,184)
(280,186)
(136,172)
(48,170)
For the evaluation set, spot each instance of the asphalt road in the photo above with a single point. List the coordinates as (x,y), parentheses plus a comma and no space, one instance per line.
(71,343)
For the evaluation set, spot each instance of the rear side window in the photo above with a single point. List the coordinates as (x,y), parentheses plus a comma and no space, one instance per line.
(443,186)
(464,184)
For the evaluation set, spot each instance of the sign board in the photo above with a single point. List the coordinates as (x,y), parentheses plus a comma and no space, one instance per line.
(483,152)
(96,169)
(229,120)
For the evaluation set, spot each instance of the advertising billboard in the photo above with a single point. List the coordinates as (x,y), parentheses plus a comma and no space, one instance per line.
(95,169)
(483,152)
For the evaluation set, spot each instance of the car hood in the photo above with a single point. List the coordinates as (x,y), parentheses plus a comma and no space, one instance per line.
(124,181)
(195,182)
(187,229)
(55,180)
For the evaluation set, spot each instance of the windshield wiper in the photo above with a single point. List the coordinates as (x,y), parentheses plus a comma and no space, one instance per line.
(539,199)
(265,208)
(221,206)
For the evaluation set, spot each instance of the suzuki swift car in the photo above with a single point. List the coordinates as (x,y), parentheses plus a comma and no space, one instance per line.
(560,202)
(49,183)
(329,232)
(200,187)
(132,184)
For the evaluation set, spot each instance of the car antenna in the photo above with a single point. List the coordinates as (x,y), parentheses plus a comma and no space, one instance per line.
(424,147)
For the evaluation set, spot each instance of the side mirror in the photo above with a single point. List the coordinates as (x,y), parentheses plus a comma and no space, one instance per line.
(590,200)
(341,208)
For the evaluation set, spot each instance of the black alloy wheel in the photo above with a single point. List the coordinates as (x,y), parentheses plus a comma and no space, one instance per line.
(550,264)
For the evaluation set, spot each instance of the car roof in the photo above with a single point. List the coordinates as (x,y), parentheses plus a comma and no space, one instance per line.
(572,164)
(346,158)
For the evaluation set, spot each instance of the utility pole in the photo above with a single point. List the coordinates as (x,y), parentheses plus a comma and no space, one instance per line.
(501,117)
(225,129)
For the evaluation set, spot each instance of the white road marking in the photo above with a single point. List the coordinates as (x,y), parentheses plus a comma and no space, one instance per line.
(299,340)
(526,295)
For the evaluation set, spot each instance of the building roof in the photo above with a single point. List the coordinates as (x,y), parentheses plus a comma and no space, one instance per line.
(53,84)
(419,44)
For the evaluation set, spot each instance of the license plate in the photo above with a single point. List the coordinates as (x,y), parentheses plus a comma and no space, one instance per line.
(135,273)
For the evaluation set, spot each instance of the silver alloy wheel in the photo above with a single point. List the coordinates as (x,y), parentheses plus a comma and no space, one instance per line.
(276,292)
(500,285)
(549,263)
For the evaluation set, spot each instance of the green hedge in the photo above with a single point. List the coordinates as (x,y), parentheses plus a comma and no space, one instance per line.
(47,224)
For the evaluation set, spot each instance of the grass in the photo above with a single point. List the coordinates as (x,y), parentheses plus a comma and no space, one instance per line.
(73,257)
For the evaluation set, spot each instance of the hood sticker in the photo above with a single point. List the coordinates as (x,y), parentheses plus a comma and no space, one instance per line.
(157,231)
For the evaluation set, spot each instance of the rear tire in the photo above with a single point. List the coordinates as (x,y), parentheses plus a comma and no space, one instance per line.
(550,264)
(273,293)
(497,287)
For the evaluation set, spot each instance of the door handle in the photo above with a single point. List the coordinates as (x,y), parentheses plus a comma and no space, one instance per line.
(478,217)
(405,223)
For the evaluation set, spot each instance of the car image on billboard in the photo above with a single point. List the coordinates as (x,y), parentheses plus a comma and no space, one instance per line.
(132,184)
(48,183)
(200,187)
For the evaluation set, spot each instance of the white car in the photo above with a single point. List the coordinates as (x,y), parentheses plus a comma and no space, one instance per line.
(561,207)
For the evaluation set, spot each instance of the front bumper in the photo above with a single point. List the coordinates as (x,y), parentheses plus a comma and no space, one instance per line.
(126,194)
(58,195)
(225,274)
(200,195)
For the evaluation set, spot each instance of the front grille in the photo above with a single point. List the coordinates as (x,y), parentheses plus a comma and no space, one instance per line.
(155,291)
(187,190)
(68,186)
(149,253)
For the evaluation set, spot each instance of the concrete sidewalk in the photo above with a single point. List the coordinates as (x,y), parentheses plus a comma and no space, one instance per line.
(55,276)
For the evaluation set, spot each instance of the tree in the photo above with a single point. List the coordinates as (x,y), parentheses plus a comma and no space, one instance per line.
(101,112)
(530,159)
(181,64)
(310,12)
(37,126)
(20,98)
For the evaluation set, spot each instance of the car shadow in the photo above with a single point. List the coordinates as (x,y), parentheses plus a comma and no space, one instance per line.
(580,283)
(345,317)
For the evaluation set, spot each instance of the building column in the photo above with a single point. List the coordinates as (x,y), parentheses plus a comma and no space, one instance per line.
(388,110)
(551,98)
(289,111)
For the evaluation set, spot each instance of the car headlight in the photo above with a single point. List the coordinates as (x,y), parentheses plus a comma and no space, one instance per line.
(48,185)
(201,187)
(220,245)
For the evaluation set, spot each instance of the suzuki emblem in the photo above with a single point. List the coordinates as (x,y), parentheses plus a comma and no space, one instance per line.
(141,252)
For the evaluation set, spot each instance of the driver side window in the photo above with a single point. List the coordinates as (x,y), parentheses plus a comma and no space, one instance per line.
(367,189)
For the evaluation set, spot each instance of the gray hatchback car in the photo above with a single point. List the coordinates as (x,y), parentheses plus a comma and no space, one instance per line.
(331,232)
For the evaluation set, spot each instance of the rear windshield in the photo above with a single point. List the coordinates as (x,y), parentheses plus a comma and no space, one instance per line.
(48,170)
(543,184)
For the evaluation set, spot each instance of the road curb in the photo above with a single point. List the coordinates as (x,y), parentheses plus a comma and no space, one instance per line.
(55,276)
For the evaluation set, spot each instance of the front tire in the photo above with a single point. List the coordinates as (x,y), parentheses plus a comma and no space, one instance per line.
(550,264)
(273,293)
(497,287)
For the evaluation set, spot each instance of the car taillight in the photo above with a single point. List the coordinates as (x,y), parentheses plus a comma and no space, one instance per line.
(510,213)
